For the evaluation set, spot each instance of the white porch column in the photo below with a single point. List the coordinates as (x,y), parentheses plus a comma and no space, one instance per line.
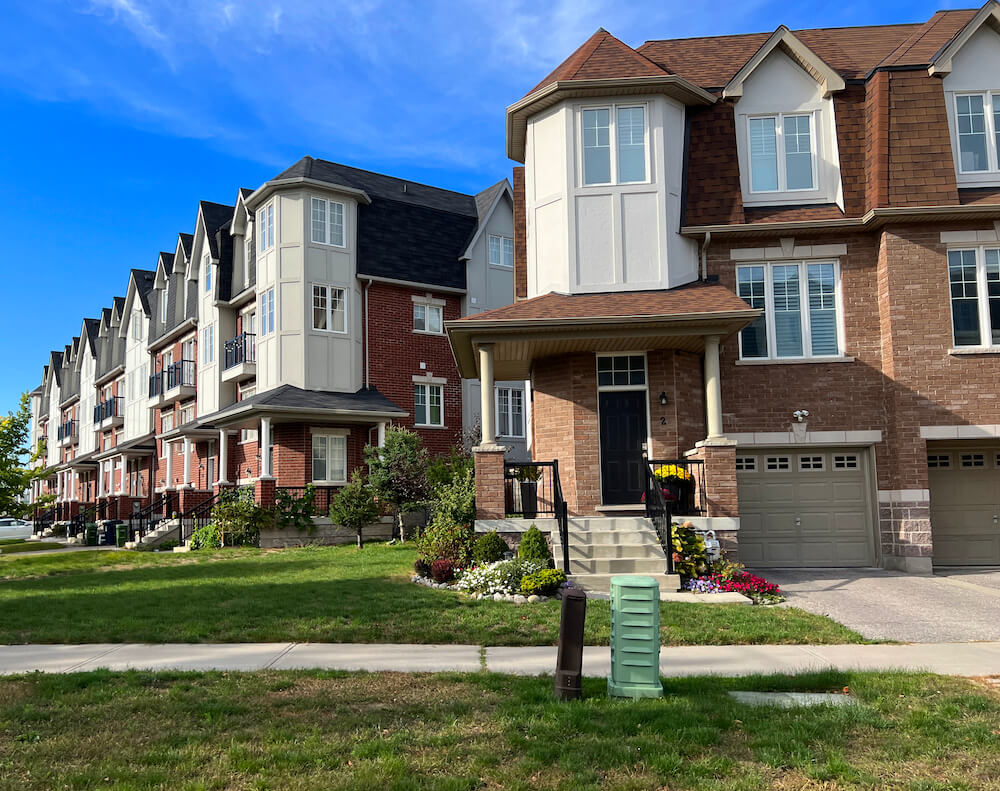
(265,449)
(168,451)
(187,462)
(488,400)
(713,387)
(223,457)
(73,480)
(122,488)
(381,434)
(100,479)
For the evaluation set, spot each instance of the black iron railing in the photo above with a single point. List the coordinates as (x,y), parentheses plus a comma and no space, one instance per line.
(533,490)
(322,496)
(87,513)
(68,430)
(112,407)
(156,384)
(180,374)
(241,349)
(145,519)
(682,484)
(43,519)
(658,512)
(199,515)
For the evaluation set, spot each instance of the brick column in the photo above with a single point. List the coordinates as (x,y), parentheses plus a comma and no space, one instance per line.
(489,482)
(720,496)
(264,492)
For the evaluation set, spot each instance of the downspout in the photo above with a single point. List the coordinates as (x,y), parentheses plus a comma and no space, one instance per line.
(704,255)
(367,355)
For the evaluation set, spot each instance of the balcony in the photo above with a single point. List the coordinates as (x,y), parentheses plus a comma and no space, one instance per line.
(174,383)
(239,360)
(110,413)
(69,432)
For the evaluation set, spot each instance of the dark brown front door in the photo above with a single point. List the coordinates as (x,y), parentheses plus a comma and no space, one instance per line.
(623,431)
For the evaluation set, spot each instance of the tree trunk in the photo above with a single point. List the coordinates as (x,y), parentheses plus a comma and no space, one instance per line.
(361,543)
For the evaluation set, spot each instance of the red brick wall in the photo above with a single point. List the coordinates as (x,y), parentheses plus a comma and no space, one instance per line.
(396,354)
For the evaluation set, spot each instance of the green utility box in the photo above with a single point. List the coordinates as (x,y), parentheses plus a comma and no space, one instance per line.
(635,638)
(90,534)
(121,534)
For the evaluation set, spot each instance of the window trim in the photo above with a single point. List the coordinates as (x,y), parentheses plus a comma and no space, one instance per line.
(498,398)
(989,128)
(327,225)
(329,289)
(265,221)
(612,387)
(266,313)
(806,328)
(428,305)
(427,385)
(780,153)
(206,264)
(982,297)
(328,434)
(613,171)
(207,344)
(503,238)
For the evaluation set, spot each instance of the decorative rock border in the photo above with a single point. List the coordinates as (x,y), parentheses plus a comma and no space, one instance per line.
(514,598)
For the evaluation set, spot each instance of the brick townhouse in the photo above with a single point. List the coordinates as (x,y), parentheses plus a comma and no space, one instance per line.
(774,257)
(274,342)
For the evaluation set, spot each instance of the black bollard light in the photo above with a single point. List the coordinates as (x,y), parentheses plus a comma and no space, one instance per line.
(569,661)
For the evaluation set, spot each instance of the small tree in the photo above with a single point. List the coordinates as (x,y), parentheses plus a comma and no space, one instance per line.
(354,506)
(15,476)
(397,472)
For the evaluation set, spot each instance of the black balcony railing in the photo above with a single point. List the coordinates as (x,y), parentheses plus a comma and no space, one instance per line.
(180,374)
(241,349)
(68,430)
(156,384)
(112,407)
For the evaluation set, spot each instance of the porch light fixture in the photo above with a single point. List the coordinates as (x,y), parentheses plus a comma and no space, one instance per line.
(663,398)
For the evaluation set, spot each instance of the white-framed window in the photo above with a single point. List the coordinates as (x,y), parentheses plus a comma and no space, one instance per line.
(163,306)
(265,226)
(166,421)
(810,463)
(782,152)
(329,308)
(974,286)
(801,304)
(329,458)
(621,371)
(248,321)
(501,251)
(207,344)
(247,253)
(137,325)
(977,131)
(778,463)
(845,461)
(938,461)
(427,318)
(428,404)
(206,268)
(625,162)
(746,464)
(248,435)
(510,412)
(187,349)
(187,412)
(328,222)
(265,311)
(973,460)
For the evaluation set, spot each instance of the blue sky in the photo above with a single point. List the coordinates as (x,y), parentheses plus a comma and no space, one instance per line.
(121,114)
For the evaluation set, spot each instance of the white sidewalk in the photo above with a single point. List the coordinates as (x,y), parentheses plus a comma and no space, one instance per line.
(960,659)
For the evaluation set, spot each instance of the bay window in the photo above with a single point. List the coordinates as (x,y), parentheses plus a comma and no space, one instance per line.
(974,284)
(510,412)
(328,222)
(329,458)
(782,153)
(623,163)
(428,408)
(329,308)
(800,304)
(265,310)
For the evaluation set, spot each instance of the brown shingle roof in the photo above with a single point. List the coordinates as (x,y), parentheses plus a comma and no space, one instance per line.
(707,298)
(602,56)
(929,38)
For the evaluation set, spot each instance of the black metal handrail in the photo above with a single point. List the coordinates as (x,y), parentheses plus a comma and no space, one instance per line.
(68,429)
(181,373)
(322,496)
(241,349)
(685,492)
(562,515)
(658,512)
(87,513)
(111,407)
(533,490)
(199,515)
(143,521)
(44,519)
(156,384)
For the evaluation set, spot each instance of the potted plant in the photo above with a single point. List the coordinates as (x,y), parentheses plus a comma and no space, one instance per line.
(676,483)
(528,477)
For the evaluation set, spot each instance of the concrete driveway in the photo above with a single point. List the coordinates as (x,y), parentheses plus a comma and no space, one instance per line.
(954,605)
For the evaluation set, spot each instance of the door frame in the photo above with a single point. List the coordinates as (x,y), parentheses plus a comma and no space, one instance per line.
(620,388)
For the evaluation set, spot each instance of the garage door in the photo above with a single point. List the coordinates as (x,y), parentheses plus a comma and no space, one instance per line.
(965,506)
(810,508)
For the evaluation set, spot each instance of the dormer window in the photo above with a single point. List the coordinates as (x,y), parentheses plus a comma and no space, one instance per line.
(977,117)
(782,153)
(623,163)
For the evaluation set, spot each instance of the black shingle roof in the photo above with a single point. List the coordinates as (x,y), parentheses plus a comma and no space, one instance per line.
(216,216)
(93,326)
(143,285)
(364,400)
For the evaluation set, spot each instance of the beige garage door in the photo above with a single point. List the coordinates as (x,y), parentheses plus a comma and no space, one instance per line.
(965,505)
(805,508)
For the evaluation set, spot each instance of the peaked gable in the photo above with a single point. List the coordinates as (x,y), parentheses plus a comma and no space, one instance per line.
(784,40)
(987,16)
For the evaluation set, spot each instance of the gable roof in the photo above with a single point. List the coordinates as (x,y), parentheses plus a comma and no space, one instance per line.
(91,328)
(987,16)
(144,279)
(783,39)
(215,216)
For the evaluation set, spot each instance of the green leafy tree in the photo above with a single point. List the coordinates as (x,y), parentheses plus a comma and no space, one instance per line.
(354,507)
(15,474)
(397,472)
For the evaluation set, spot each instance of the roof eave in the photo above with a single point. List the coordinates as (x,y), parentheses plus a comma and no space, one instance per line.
(941,64)
(263,192)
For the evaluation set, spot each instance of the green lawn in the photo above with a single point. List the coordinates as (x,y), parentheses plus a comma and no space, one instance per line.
(393,732)
(320,594)
(12,546)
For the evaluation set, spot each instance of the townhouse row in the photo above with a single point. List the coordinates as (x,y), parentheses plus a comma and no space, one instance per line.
(274,342)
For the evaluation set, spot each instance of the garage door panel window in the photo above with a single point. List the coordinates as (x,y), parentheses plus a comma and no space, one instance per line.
(938,461)
(973,460)
(845,462)
(808,463)
(746,464)
(801,314)
(778,463)
(974,289)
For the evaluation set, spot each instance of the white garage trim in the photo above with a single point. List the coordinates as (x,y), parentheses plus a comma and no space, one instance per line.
(960,432)
(788,438)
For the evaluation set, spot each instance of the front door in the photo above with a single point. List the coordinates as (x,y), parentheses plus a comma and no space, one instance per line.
(623,432)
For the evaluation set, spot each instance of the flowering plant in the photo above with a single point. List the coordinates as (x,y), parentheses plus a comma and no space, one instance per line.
(750,585)
(503,576)
(671,472)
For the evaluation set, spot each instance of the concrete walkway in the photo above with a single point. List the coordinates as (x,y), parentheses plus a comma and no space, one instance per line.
(964,659)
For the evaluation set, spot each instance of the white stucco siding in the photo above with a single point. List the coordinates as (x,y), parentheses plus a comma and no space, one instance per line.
(55,419)
(779,85)
(88,399)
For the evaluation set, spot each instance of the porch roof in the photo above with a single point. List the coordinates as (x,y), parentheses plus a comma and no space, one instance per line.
(554,324)
(140,446)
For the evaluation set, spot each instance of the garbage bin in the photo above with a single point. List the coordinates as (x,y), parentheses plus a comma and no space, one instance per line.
(90,533)
(121,534)
(108,534)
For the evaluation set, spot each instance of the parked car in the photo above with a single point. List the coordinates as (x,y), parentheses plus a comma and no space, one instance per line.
(15,528)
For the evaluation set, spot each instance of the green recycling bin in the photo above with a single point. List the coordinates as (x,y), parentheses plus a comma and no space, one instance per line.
(635,638)
(90,535)
(121,534)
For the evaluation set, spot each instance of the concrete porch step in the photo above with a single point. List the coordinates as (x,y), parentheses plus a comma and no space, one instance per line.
(652,565)
(587,551)
(630,536)
(601,583)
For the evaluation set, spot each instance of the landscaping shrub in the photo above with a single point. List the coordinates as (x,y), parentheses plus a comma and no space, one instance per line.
(397,472)
(542,583)
(442,541)
(533,546)
(504,576)
(290,510)
(443,570)
(690,557)
(454,502)
(489,548)
(354,506)
(239,519)
(445,469)
(422,567)
(207,537)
